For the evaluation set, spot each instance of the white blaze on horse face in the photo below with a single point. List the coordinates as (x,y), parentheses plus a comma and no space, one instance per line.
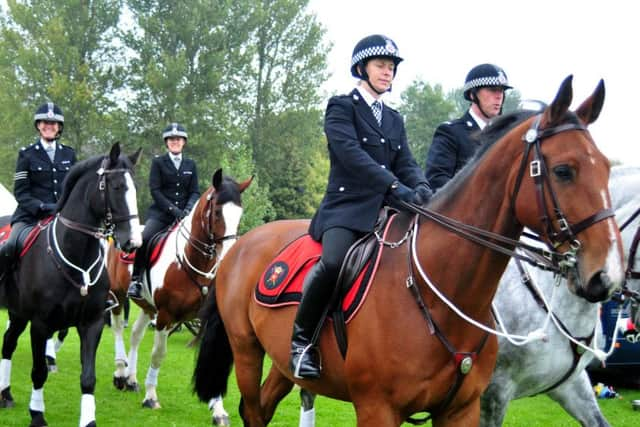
(132,204)
(613,267)
(231,214)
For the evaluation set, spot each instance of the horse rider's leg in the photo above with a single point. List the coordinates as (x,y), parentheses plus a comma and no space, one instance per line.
(39,372)
(307,410)
(157,356)
(15,327)
(495,400)
(248,358)
(9,251)
(89,340)
(577,398)
(137,333)
(274,388)
(219,416)
(117,327)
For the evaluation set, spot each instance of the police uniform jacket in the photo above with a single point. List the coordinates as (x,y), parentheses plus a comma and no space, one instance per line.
(172,190)
(38,180)
(451,149)
(365,159)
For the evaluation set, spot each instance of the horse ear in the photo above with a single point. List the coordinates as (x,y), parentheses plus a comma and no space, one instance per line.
(561,103)
(115,153)
(243,185)
(133,158)
(216,179)
(590,109)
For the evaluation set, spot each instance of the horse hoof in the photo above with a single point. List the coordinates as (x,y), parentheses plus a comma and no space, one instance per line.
(151,404)
(221,420)
(37,419)
(6,399)
(53,369)
(120,383)
(135,387)
(91,424)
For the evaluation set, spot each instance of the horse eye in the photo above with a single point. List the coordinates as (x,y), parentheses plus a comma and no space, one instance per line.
(564,173)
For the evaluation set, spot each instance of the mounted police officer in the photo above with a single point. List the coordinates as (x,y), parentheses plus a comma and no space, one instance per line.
(370,161)
(173,183)
(452,144)
(40,171)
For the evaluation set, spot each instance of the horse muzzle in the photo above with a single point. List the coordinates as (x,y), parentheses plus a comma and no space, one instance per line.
(597,289)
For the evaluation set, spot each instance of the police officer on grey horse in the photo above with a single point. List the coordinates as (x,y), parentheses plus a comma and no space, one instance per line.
(370,164)
(452,145)
(40,170)
(173,183)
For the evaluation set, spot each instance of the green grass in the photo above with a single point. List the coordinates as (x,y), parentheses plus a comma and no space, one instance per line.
(181,408)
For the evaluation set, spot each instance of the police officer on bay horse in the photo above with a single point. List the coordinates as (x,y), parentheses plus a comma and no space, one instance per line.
(370,160)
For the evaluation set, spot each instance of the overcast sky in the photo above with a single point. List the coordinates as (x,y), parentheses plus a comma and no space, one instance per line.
(538,43)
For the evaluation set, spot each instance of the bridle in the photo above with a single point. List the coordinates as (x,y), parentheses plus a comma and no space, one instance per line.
(550,258)
(206,247)
(98,233)
(110,220)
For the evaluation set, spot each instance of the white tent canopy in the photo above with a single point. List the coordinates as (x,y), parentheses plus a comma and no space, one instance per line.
(7,201)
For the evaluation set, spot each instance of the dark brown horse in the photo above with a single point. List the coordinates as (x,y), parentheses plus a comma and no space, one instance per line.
(180,278)
(541,171)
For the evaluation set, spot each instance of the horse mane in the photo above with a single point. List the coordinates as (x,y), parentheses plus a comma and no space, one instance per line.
(77,170)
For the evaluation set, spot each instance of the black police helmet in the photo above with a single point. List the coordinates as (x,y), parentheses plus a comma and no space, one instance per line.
(373,46)
(49,112)
(174,129)
(484,75)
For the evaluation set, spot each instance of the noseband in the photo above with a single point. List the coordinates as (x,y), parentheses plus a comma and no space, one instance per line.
(566,232)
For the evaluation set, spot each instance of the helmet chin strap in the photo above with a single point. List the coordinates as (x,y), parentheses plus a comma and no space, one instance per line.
(374,89)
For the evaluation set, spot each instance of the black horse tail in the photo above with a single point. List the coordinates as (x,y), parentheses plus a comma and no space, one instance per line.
(214,358)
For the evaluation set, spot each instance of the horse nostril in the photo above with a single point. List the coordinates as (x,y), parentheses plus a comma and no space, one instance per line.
(597,288)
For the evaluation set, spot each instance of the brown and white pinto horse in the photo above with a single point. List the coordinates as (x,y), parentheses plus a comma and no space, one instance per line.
(180,279)
(404,357)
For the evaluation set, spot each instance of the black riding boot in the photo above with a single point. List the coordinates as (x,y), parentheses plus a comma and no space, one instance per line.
(9,250)
(305,359)
(135,287)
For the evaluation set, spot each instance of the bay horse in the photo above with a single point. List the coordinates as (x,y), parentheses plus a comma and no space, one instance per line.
(180,280)
(60,280)
(557,365)
(408,352)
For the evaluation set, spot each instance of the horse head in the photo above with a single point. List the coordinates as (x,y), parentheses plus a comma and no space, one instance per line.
(217,215)
(561,191)
(111,193)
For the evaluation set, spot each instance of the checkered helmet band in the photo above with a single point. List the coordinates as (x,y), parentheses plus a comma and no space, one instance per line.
(49,112)
(499,80)
(174,129)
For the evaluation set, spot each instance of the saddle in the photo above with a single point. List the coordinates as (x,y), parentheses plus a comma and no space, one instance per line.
(281,283)
(27,237)
(154,248)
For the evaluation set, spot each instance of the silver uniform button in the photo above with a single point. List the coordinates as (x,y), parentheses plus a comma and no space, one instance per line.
(364,139)
(469,124)
(55,181)
(382,140)
(383,166)
(341,189)
(54,169)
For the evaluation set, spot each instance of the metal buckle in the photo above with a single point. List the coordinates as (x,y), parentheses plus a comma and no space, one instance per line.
(534,168)
(563,224)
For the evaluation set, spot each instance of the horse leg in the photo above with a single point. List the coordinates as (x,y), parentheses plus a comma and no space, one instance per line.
(89,339)
(120,374)
(577,398)
(249,359)
(9,343)
(275,387)
(307,410)
(157,356)
(50,355)
(377,412)
(39,373)
(495,399)
(468,415)
(137,333)
(219,416)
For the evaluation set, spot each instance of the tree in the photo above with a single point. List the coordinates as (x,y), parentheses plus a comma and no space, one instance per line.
(62,51)
(424,108)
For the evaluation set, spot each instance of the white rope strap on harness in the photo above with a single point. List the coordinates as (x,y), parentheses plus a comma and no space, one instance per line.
(443,298)
(86,274)
(211,274)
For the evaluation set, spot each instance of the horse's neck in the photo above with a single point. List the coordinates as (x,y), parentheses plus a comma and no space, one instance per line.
(470,272)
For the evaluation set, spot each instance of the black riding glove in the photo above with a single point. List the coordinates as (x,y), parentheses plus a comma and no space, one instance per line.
(48,208)
(423,193)
(184,213)
(400,192)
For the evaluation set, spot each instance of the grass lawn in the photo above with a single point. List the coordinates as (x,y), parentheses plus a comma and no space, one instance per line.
(181,408)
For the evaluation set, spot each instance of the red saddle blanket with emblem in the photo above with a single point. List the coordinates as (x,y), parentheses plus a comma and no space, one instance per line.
(281,282)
